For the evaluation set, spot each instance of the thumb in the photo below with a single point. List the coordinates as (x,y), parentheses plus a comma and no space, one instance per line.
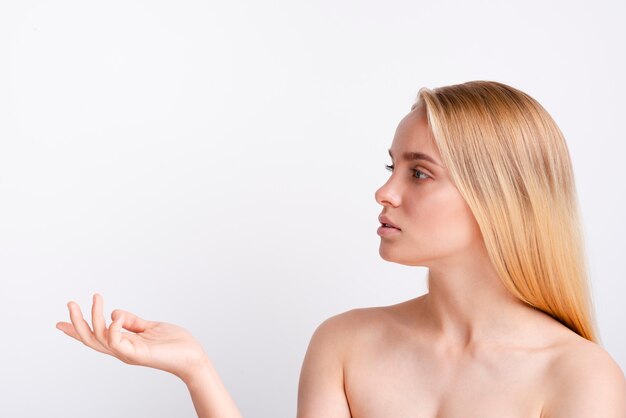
(131,321)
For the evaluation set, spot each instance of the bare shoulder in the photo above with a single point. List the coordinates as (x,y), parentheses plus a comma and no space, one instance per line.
(321,388)
(584,381)
(346,329)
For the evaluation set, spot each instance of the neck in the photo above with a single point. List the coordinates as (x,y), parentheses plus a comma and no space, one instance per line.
(467,304)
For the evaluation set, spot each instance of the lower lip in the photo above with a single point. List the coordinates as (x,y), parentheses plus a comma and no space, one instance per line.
(384,231)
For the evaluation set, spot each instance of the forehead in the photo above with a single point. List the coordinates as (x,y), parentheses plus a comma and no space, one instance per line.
(413,134)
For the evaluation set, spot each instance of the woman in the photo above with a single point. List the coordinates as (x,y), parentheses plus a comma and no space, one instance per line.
(482,193)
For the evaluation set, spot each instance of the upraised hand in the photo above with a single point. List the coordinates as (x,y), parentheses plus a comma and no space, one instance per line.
(152,344)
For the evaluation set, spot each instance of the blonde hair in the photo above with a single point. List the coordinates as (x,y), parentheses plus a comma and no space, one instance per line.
(509,161)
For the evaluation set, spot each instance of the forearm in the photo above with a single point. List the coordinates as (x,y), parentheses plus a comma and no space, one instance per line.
(209,395)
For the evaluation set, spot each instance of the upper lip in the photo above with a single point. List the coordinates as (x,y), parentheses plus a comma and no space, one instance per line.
(385,220)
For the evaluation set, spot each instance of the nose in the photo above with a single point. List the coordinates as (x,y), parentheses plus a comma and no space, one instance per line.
(388,194)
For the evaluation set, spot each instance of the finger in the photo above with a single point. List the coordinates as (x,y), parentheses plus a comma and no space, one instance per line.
(82,328)
(132,322)
(116,340)
(97,319)
(68,329)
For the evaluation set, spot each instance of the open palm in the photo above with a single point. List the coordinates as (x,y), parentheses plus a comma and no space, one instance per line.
(159,345)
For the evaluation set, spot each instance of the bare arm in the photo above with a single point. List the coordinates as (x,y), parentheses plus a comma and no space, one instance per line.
(321,388)
(209,396)
(159,345)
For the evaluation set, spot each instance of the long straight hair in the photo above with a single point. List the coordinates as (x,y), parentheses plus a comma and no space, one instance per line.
(509,160)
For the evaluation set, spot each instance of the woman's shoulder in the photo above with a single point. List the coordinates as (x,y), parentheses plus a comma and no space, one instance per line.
(371,317)
(357,321)
(365,324)
(578,358)
(571,357)
(578,376)
(583,377)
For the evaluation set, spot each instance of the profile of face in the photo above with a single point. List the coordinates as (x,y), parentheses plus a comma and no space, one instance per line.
(436,225)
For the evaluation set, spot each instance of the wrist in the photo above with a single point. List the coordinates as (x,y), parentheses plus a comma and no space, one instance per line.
(199,370)
(210,397)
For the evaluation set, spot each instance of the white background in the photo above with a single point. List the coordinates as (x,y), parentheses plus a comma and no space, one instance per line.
(213,165)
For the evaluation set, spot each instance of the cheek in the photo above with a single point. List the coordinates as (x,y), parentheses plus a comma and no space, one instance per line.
(443,221)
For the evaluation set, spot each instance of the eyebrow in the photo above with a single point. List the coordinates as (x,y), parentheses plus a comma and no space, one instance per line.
(412,156)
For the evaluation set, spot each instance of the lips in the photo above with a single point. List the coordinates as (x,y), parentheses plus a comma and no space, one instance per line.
(385,221)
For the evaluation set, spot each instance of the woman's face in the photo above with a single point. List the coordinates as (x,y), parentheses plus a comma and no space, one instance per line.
(436,225)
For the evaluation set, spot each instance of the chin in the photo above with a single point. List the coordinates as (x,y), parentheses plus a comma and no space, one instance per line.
(393,256)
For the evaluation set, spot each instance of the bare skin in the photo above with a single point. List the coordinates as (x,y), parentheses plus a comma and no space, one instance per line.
(157,345)
(465,349)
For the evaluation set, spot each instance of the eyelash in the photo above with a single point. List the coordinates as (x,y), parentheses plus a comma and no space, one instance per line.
(390,168)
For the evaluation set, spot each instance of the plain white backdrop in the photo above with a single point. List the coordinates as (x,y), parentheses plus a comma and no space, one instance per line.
(213,164)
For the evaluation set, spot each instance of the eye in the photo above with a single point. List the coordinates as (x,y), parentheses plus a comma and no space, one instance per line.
(421,172)
(415,171)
